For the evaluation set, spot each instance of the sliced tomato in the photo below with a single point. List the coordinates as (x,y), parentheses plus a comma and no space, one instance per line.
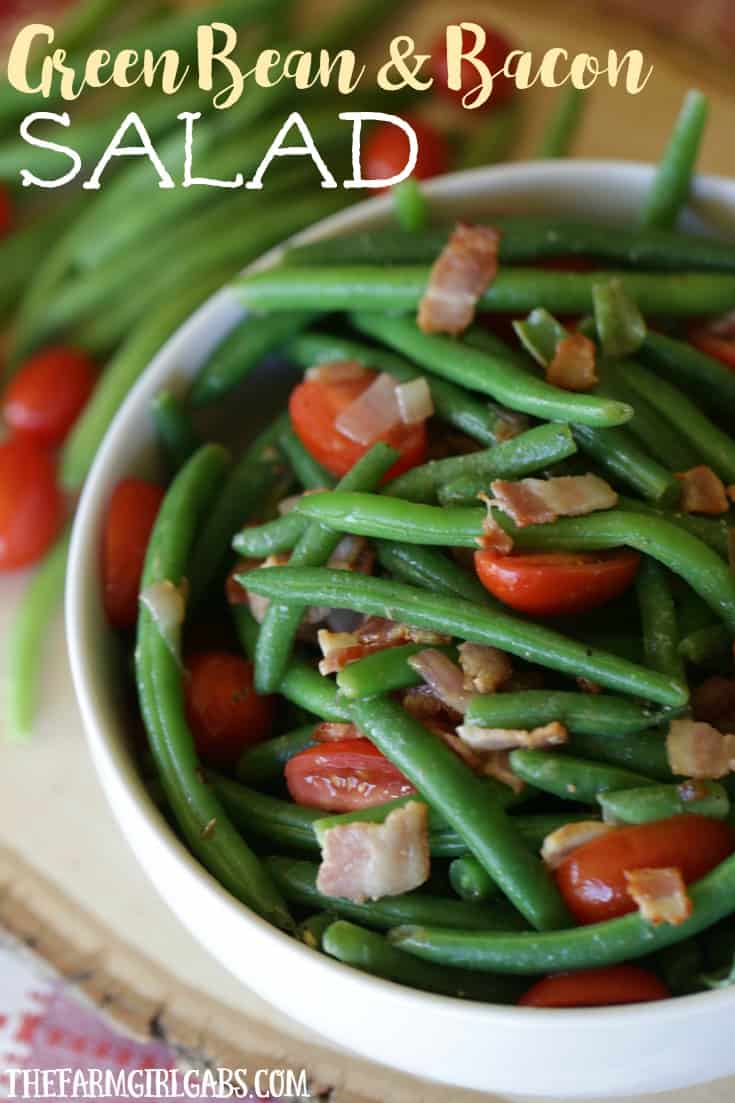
(721,348)
(344,777)
(315,406)
(49,392)
(493,54)
(31,504)
(557,583)
(225,713)
(130,518)
(385,152)
(592,878)
(596,988)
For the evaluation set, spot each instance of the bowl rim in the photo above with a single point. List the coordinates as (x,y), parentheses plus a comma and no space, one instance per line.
(86,672)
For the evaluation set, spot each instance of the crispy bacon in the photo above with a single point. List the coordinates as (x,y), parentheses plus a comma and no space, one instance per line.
(374,634)
(443,677)
(466,266)
(661,894)
(485,669)
(494,538)
(337,371)
(496,764)
(702,491)
(366,861)
(508,739)
(561,843)
(696,749)
(542,501)
(329,732)
(573,366)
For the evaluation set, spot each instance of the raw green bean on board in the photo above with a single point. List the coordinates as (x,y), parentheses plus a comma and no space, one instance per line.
(26,639)
(658,620)
(282,619)
(706,644)
(572,778)
(561,129)
(592,946)
(198,812)
(460,618)
(470,880)
(672,183)
(174,429)
(373,954)
(659,802)
(692,370)
(263,764)
(297,881)
(515,290)
(593,713)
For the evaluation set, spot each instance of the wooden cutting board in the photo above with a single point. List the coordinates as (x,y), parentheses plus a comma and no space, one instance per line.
(68,883)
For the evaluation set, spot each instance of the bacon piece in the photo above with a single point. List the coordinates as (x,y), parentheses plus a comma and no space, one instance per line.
(542,501)
(494,537)
(443,677)
(374,634)
(353,553)
(336,371)
(573,366)
(366,861)
(509,424)
(485,669)
(373,413)
(414,401)
(696,749)
(561,843)
(661,895)
(508,739)
(496,764)
(329,732)
(259,604)
(466,266)
(702,491)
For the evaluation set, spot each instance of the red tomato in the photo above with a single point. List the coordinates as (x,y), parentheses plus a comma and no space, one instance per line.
(6,211)
(722,348)
(596,988)
(49,392)
(31,504)
(592,878)
(385,153)
(314,407)
(225,713)
(555,583)
(343,777)
(493,54)
(130,518)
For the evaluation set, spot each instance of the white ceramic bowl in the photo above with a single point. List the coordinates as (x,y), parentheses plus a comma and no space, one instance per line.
(621,1051)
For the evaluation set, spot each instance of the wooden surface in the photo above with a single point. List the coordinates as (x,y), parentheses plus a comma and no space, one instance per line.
(55,826)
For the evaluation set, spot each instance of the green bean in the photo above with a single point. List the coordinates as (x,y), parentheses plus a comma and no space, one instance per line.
(242,350)
(461,618)
(673,180)
(515,290)
(263,763)
(658,621)
(714,446)
(693,370)
(470,880)
(645,755)
(650,428)
(659,802)
(452,404)
(491,139)
(530,239)
(27,633)
(198,812)
(372,953)
(309,473)
(174,428)
(432,570)
(595,945)
(272,538)
(513,459)
(706,645)
(282,619)
(383,671)
(410,206)
(311,930)
(297,881)
(620,325)
(279,822)
(710,531)
(572,778)
(561,129)
(679,967)
(386,518)
(597,714)
(122,371)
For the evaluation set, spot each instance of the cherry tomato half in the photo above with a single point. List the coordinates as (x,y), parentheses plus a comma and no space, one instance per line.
(314,407)
(225,713)
(555,583)
(385,152)
(6,211)
(130,518)
(596,988)
(49,392)
(344,777)
(721,348)
(31,504)
(493,55)
(592,878)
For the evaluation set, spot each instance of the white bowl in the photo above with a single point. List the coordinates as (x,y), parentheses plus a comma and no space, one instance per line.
(620,1051)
